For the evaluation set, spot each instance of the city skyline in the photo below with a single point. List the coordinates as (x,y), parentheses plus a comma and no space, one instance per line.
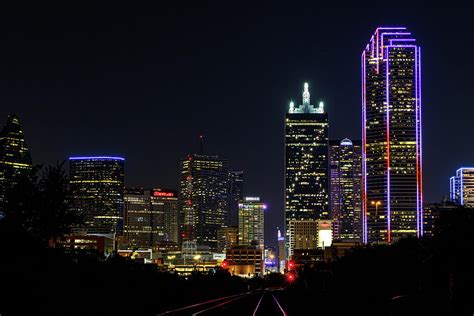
(261,103)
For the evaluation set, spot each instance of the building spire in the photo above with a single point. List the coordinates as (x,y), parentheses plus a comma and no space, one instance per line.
(306,95)
(201,144)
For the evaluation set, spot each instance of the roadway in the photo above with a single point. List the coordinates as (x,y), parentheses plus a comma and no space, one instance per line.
(266,302)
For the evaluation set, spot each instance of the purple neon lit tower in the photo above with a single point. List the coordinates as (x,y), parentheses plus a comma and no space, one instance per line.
(392,192)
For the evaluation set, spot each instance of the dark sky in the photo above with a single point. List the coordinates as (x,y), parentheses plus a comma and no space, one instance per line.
(145,83)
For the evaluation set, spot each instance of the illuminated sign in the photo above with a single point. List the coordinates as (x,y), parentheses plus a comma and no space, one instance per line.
(252,198)
(163,194)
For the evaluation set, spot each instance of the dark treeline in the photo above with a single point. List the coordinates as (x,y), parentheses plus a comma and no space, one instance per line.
(427,276)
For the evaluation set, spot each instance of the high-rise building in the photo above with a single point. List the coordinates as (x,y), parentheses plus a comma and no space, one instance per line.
(150,218)
(96,190)
(165,203)
(251,222)
(392,193)
(14,155)
(461,186)
(345,163)
(305,234)
(138,218)
(203,200)
(306,164)
(236,194)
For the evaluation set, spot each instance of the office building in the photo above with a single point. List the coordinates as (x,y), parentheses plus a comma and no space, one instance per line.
(151,217)
(251,222)
(96,187)
(245,261)
(392,193)
(15,156)
(203,200)
(345,163)
(306,164)
(227,237)
(236,194)
(461,187)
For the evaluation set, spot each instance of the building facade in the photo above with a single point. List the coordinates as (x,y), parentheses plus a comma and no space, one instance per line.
(345,163)
(245,261)
(236,194)
(204,187)
(251,222)
(96,187)
(306,164)
(462,187)
(15,156)
(150,218)
(392,193)
(227,237)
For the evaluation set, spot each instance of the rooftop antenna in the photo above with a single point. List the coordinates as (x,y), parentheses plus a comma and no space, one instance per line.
(201,144)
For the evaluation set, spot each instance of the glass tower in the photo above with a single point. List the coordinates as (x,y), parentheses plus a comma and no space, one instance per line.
(14,155)
(306,164)
(462,186)
(345,163)
(96,190)
(392,191)
(251,222)
(203,200)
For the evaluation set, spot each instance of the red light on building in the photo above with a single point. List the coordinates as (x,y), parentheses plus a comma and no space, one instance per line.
(163,194)
(224,264)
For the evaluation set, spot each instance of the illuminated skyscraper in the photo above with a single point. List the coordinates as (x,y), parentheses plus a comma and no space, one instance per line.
(306,164)
(391,140)
(14,154)
(461,187)
(345,161)
(203,200)
(251,222)
(96,190)
(151,217)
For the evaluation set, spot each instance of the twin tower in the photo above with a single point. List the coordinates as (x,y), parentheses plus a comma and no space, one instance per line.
(380,189)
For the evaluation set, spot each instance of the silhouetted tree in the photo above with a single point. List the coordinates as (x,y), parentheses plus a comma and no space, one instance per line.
(37,204)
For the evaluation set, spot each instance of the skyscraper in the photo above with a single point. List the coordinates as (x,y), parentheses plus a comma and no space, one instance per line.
(461,186)
(164,202)
(306,164)
(150,217)
(391,139)
(236,194)
(96,190)
(345,163)
(203,200)
(14,154)
(251,222)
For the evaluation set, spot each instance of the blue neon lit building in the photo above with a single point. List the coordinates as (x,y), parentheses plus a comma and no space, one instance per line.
(392,191)
(461,186)
(96,190)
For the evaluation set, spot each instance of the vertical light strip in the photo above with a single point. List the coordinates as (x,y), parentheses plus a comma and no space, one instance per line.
(364,154)
(417,147)
(461,188)
(387,111)
(420,135)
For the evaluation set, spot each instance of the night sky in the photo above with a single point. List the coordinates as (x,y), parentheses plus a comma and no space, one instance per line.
(144,84)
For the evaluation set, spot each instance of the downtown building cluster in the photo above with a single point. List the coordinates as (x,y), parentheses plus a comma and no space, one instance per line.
(338,193)
(367,191)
